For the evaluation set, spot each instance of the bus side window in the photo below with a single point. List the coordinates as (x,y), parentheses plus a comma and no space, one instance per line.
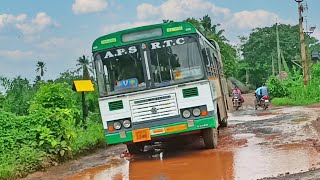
(216,63)
(205,55)
(211,59)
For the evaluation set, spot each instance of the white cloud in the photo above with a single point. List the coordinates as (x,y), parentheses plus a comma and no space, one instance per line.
(89,6)
(37,24)
(6,19)
(16,54)
(123,26)
(235,23)
(253,19)
(178,9)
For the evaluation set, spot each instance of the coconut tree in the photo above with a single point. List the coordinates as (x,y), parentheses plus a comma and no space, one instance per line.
(84,65)
(210,28)
(41,67)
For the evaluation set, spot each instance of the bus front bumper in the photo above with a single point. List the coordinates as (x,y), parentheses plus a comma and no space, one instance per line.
(165,130)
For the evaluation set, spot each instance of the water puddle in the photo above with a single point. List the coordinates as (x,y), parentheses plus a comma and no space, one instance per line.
(239,162)
(116,170)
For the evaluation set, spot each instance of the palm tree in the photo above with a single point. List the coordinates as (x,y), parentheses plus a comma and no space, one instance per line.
(41,66)
(210,28)
(84,64)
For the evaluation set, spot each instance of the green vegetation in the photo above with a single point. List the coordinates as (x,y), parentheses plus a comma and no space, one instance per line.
(291,91)
(261,45)
(38,124)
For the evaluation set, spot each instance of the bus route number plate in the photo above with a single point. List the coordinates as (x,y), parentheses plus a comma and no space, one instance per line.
(140,135)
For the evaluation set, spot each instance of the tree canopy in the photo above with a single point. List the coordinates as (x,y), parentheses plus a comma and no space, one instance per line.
(261,45)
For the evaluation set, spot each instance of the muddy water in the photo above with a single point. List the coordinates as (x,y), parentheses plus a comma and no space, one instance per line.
(248,161)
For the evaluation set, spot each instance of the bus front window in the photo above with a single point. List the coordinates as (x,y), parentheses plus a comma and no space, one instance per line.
(175,60)
(122,70)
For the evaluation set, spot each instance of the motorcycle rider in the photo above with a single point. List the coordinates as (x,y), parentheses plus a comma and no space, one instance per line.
(261,91)
(237,92)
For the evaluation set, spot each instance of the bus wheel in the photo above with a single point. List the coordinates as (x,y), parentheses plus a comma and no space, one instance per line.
(224,123)
(210,138)
(134,148)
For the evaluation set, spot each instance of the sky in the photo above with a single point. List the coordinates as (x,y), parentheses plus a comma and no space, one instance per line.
(58,32)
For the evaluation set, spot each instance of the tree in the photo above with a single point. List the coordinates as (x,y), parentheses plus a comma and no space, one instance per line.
(210,28)
(17,95)
(167,21)
(84,64)
(261,45)
(41,67)
(68,77)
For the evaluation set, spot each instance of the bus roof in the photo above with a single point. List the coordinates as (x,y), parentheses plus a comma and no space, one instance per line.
(142,34)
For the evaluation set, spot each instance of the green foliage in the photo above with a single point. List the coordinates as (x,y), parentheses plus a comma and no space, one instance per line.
(276,88)
(53,95)
(261,45)
(292,90)
(88,138)
(85,66)
(68,77)
(49,130)
(18,94)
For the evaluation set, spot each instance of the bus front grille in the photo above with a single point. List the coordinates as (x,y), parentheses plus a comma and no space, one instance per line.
(154,107)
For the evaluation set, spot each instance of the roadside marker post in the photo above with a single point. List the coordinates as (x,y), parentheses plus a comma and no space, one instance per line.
(83,86)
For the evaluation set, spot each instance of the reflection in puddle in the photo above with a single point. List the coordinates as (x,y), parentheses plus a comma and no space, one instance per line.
(117,170)
(246,162)
(207,164)
(256,161)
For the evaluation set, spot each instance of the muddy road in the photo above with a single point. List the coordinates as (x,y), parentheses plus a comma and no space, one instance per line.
(278,143)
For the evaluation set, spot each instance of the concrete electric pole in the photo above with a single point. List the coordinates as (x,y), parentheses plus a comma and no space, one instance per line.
(278,50)
(305,65)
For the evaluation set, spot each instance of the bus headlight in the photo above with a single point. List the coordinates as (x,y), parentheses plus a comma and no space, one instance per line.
(196,112)
(126,123)
(117,125)
(186,113)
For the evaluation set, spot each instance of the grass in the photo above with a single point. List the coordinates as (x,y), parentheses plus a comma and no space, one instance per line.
(20,162)
(293,102)
(88,138)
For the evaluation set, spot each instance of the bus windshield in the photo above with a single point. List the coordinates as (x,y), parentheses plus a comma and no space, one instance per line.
(175,61)
(122,69)
(171,61)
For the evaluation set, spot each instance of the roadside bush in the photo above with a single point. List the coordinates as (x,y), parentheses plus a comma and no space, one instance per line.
(276,88)
(292,90)
(88,138)
(48,133)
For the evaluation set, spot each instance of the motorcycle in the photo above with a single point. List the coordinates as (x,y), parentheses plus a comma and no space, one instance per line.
(236,100)
(263,102)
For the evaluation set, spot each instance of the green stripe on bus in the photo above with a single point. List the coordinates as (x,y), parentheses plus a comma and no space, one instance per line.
(204,123)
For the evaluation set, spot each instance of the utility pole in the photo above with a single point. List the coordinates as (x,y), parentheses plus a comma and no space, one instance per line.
(278,50)
(273,71)
(305,66)
(247,76)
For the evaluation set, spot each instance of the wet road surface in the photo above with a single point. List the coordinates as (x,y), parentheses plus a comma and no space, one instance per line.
(257,144)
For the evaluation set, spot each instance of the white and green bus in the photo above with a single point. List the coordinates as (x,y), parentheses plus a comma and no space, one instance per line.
(159,81)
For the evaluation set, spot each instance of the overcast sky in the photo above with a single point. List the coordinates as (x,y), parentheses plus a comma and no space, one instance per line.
(58,32)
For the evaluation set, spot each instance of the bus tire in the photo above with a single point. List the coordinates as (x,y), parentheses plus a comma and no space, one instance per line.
(224,123)
(134,148)
(210,138)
